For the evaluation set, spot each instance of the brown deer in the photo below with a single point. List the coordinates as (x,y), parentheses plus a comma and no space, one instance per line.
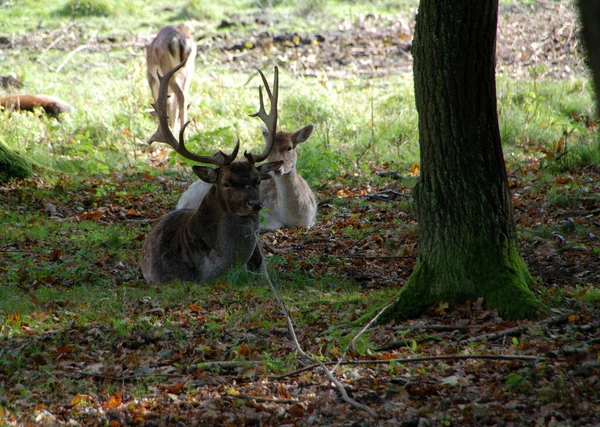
(202,244)
(29,102)
(288,199)
(172,45)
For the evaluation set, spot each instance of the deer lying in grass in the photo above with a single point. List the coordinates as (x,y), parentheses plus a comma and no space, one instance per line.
(172,45)
(29,102)
(202,244)
(288,199)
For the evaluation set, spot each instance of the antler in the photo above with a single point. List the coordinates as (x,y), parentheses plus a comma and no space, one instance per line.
(164,134)
(268,119)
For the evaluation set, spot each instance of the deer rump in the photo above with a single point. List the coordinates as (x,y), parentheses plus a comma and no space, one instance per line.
(287,199)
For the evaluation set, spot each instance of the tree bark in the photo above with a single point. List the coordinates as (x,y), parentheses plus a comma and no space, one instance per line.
(468,247)
(12,165)
(589,11)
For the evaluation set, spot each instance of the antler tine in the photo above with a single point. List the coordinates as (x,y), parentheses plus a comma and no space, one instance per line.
(270,120)
(164,133)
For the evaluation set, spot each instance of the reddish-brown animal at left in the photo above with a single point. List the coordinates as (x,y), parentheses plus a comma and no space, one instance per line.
(29,102)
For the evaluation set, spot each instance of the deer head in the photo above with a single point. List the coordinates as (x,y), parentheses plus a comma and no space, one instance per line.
(202,244)
(171,46)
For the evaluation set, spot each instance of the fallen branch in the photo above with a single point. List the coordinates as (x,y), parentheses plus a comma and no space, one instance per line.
(405,343)
(69,56)
(556,320)
(375,257)
(394,174)
(415,360)
(228,364)
(339,386)
(572,214)
(362,331)
(435,328)
(113,378)
(585,328)
(263,399)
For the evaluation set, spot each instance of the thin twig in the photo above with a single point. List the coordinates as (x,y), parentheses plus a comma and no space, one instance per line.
(436,328)
(339,386)
(225,364)
(113,378)
(571,214)
(562,318)
(362,331)
(415,360)
(263,399)
(69,56)
(375,257)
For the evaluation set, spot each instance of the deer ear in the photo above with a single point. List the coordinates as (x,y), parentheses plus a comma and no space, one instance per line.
(266,168)
(302,134)
(205,173)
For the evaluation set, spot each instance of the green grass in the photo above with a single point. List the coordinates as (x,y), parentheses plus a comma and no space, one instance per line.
(361,124)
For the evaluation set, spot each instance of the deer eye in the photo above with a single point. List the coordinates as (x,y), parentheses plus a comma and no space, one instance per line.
(289,149)
(226,185)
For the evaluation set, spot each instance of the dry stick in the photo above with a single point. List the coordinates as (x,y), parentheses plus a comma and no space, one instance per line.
(112,378)
(225,364)
(263,399)
(375,257)
(437,328)
(69,56)
(517,330)
(416,360)
(586,328)
(362,331)
(338,385)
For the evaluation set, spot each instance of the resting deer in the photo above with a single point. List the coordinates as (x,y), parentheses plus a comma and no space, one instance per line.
(289,200)
(201,244)
(172,45)
(29,102)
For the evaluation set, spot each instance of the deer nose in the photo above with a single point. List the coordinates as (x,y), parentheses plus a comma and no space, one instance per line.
(255,204)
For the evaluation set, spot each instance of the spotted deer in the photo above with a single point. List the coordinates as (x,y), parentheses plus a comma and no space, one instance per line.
(172,45)
(288,199)
(203,243)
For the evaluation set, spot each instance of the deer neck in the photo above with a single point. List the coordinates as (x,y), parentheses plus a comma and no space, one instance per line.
(289,188)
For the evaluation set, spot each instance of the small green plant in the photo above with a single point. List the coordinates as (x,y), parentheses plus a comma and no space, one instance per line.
(86,8)
(517,382)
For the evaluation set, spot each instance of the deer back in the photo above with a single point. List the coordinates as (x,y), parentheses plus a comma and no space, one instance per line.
(172,45)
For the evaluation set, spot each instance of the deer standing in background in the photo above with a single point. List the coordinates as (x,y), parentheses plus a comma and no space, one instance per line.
(29,102)
(288,199)
(173,44)
(201,244)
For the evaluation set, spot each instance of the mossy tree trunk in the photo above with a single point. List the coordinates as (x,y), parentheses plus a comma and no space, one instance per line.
(12,165)
(468,247)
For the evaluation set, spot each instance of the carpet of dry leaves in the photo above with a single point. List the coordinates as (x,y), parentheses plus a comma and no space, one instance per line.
(206,372)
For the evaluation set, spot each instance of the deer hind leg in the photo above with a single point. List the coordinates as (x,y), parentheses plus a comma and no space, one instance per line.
(178,108)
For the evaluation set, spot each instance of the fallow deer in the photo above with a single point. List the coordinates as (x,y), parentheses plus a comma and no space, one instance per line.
(288,199)
(202,244)
(29,102)
(172,45)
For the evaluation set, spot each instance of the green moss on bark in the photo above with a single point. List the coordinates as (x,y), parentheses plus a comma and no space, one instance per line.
(13,165)
(500,277)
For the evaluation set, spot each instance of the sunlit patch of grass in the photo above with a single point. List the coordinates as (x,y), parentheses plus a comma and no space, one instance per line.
(86,8)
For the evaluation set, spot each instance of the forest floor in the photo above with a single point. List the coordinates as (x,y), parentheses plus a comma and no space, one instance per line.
(193,367)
